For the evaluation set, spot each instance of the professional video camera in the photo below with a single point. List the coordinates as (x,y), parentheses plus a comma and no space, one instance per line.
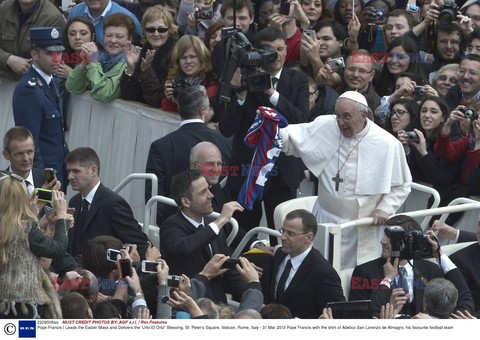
(409,245)
(241,54)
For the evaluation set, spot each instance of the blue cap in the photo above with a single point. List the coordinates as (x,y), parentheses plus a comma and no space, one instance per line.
(49,38)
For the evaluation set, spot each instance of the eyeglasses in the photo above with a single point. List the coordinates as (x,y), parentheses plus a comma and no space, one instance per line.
(291,233)
(444,77)
(12,175)
(213,164)
(398,113)
(188,57)
(462,72)
(361,71)
(311,94)
(345,118)
(471,49)
(158,29)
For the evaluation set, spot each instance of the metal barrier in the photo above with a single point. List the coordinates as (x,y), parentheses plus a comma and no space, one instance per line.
(249,234)
(458,205)
(436,200)
(169,201)
(143,176)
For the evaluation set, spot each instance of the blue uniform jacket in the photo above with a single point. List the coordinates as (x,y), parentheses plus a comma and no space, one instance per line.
(36,108)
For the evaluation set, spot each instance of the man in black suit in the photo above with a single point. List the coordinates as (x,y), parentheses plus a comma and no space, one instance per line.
(302,279)
(189,239)
(170,154)
(19,150)
(468,261)
(381,281)
(98,210)
(288,94)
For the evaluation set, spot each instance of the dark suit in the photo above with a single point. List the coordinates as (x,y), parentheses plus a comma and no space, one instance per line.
(36,108)
(468,261)
(314,285)
(366,278)
(38,177)
(109,214)
(170,155)
(185,249)
(236,120)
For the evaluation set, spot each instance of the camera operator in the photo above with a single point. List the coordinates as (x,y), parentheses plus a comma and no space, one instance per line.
(288,94)
(383,279)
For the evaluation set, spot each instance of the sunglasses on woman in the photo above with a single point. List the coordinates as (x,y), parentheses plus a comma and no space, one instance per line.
(158,29)
(443,77)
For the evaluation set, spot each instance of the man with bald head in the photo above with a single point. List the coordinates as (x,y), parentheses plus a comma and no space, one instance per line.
(361,169)
(207,158)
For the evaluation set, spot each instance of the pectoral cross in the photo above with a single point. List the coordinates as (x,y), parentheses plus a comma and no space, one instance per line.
(337,180)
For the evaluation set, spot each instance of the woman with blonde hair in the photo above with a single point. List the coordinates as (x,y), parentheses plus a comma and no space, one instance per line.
(146,72)
(191,65)
(26,288)
(445,78)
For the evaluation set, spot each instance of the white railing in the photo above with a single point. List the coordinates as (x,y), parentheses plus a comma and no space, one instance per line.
(142,176)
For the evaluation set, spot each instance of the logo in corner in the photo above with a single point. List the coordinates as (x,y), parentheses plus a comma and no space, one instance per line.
(10,329)
(27,329)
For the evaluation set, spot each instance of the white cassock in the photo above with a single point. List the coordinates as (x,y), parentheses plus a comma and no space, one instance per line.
(374,171)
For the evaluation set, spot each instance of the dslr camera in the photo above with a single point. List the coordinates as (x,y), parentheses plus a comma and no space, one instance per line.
(242,54)
(470,113)
(411,245)
(178,86)
(379,14)
(336,63)
(204,13)
(448,12)
(412,137)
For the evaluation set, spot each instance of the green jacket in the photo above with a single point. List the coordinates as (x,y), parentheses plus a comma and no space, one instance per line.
(104,87)
(41,245)
(16,41)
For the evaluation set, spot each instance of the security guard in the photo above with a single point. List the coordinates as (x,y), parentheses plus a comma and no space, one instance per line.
(37,104)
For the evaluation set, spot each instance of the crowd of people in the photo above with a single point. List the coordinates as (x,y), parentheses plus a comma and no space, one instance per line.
(367,96)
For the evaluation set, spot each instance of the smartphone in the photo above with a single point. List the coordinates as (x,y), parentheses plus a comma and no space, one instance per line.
(112,255)
(310,33)
(50,174)
(48,210)
(173,280)
(284,7)
(230,264)
(125,268)
(150,266)
(43,195)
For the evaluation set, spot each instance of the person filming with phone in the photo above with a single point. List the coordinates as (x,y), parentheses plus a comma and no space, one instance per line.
(22,244)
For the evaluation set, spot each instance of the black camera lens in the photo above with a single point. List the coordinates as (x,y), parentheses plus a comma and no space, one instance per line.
(469,113)
(412,137)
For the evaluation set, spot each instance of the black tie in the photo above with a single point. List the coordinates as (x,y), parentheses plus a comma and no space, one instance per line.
(28,184)
(80,225)
(283,281)
(209,248)
(53,89)
(274,81)
(82,217)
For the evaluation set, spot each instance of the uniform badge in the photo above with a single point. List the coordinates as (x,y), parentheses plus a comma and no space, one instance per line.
(32,82)
(39,82)
(54,33)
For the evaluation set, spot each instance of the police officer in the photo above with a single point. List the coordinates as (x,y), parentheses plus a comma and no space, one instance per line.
(37,103)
